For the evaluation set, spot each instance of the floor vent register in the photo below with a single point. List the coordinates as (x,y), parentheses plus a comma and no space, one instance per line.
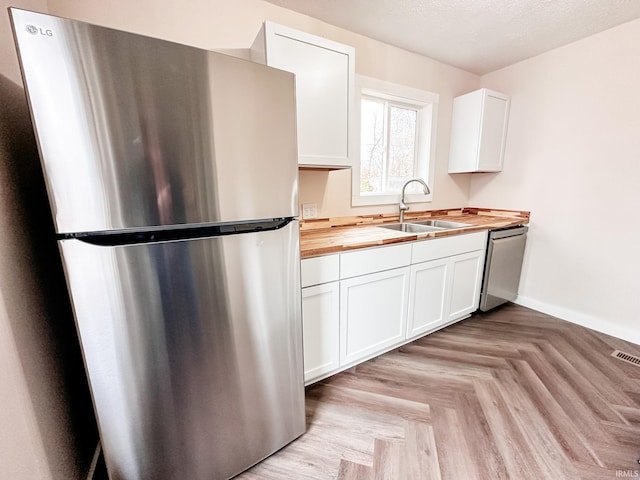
(627,357)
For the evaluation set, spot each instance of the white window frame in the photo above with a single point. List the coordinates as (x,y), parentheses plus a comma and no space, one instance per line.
(427,105)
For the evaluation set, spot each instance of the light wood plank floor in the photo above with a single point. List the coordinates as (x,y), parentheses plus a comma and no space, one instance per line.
(507,394)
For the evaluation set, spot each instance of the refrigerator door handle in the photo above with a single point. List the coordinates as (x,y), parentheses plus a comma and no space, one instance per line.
(190,232)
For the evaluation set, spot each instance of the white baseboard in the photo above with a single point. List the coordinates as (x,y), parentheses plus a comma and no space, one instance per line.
(597,324)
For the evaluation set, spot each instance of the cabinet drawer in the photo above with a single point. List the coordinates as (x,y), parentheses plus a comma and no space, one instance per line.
(373,260)
(447,246)
(319,270)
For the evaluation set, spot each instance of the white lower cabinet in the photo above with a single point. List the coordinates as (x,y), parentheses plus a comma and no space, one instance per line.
(466,278)
(443,291)
(321,330)
(373,309)
(428,297)
(359,304)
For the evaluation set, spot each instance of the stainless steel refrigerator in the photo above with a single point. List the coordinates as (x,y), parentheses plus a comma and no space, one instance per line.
(172,177)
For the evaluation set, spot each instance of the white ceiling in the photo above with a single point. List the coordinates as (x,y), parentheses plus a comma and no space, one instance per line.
(476,35)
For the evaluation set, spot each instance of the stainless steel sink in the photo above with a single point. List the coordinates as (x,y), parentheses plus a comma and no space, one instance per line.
(411,228)
(441,224)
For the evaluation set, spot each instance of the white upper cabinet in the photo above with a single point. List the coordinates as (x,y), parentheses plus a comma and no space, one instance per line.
(324,90)
(478,132)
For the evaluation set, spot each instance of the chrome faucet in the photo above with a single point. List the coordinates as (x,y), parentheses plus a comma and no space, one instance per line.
(403,207)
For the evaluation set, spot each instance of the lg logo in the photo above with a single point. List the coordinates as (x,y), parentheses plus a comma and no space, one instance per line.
(33,30)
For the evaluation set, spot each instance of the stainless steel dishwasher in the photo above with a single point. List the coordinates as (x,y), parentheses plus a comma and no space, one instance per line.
(503,266)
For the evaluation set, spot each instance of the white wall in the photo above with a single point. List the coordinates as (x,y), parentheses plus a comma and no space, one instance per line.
(47,428)
(572,149)
(22,453)
(232,25)
(573,160)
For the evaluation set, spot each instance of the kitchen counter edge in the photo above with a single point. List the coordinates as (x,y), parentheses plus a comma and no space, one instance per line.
(335,235)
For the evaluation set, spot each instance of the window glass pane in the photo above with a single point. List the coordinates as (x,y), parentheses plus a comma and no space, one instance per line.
(402,146)
(372,146)
(394,120)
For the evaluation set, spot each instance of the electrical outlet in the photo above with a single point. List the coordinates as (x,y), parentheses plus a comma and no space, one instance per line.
(309,210)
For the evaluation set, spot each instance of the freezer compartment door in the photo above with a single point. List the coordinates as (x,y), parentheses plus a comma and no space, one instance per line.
(135,131)
(193,351)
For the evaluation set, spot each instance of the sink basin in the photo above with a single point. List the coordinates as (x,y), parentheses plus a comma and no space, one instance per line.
(411,227)
(441,224)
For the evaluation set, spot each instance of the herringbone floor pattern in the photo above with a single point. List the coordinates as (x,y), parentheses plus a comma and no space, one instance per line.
(508,394)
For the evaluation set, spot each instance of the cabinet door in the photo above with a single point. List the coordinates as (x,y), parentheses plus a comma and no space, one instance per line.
(324,89)
(321,330)
(373,309)
(466,276)
(428,295)
(493,133)
(478,131)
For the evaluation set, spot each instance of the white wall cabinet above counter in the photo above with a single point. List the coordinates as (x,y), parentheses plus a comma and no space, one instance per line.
(325,73)
(478,132)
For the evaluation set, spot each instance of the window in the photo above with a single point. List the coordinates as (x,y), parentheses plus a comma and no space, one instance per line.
(395,141)
(388,150)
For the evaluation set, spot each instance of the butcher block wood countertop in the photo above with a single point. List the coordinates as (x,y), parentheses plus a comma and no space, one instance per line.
(332,235)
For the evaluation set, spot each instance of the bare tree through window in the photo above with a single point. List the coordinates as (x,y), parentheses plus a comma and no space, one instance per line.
(388,145)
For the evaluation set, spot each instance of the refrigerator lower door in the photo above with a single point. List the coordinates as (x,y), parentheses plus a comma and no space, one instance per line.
(193,351)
